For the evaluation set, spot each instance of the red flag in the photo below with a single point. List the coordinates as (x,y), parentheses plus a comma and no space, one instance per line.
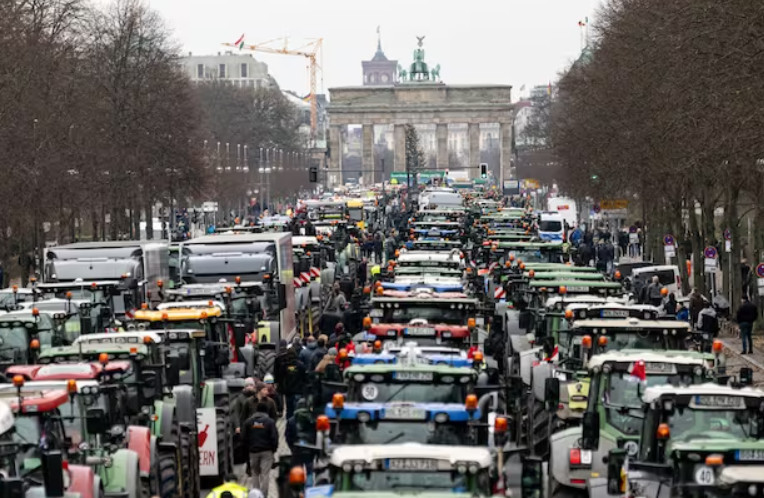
(638,371)
(241,39)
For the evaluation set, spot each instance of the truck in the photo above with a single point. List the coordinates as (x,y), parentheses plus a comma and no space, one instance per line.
(258,257)
(138,265)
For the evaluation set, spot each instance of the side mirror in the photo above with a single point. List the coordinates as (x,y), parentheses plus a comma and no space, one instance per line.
(149,387)
(53,474)
(172,370)
(133,400)
(532,478)
(12,487)
(616,478)
(746,376)
(240,334)
(590,429)
(551,394)
(547,344)
(281,295)
(96,421)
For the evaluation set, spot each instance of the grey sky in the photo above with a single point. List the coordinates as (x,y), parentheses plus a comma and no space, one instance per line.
(513,42)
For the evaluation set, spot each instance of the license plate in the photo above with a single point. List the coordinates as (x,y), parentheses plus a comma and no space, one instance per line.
(376,313)
(749,455)
(720,401)
(480,321)
(405,413)
(420,331)
(419,464)
(577,288)
(413,376)
(615,314)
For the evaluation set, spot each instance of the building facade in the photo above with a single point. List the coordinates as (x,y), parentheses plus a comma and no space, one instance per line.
(241,70)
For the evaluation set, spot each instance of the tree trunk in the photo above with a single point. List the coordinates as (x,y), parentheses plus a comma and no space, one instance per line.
(697,250)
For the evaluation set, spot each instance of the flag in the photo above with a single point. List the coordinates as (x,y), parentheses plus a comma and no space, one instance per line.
(583,23)
(306,98)
(549,89)
(240,42)
(638,371)
(522,88)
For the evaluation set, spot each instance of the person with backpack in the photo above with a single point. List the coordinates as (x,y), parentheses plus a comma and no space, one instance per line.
(708,323)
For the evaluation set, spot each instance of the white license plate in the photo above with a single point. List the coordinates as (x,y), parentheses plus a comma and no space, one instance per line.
(480,321)
(420,331)
(420,464)
(413,376)
(376,313)
(615,314)
(577,288)
(405,413)
(749,455)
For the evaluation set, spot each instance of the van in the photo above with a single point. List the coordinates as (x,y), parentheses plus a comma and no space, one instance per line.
(551,226)
(668,276)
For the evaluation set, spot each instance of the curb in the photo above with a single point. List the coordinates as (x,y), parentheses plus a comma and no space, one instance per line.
(747,358)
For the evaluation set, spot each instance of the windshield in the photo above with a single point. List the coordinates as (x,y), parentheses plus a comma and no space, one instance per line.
(643,339)
(431,314)
(382,432)
(379,480)
(422,393)
(531,256)
(356,214)
(7,299)
(688,424)
(14,342)
(621,398)
(550,226)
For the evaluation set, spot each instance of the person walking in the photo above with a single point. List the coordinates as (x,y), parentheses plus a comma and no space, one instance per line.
(746,315)
(654,295)
(696,305)
(262,440)
(294,381)
(708,323)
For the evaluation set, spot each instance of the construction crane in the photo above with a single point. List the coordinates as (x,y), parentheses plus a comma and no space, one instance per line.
(311,50)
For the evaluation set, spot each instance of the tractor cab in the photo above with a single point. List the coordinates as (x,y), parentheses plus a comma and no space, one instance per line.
(24,333)
(692,434)
(618,379)
(429,317)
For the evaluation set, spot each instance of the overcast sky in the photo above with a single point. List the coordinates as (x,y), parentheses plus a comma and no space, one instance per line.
(516,42)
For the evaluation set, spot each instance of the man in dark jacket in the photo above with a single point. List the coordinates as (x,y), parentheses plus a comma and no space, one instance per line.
(294,381)
(307,352)
(318,353)
(696,305)
(262,440)
(746,315)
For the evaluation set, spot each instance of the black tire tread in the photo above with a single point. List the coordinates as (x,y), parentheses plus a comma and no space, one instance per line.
(168,476)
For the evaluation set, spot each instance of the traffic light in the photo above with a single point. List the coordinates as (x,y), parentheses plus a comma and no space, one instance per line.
(313,174)
(483,170)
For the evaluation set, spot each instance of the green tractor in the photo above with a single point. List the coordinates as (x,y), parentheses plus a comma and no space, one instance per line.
(150,396)
(691,438)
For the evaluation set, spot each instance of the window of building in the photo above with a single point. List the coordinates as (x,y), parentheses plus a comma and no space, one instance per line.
(221,71)
(244,69)
(200,71)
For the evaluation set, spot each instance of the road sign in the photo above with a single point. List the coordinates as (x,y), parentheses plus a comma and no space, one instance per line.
(596,208)
(710,252)
(668,240)
(760,270)
(612,204)
(727,234)
(208,441)
(670,251)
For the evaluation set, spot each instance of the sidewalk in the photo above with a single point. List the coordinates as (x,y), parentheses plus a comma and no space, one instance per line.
(733,347)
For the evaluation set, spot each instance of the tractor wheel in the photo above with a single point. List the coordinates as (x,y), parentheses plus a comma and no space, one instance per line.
(168,476)
(265,362)
(189,457)
(225,443)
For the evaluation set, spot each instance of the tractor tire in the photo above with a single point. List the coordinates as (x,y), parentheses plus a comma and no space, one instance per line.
(225,440)
(168,476)
(189,457)
(265,363)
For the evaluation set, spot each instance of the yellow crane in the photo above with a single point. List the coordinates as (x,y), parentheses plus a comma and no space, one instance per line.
(310,50)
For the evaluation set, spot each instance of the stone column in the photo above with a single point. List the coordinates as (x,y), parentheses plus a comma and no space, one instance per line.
(399,148)
(441,132)
(335,157)
(367,154)
(474,137)
(505,144)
